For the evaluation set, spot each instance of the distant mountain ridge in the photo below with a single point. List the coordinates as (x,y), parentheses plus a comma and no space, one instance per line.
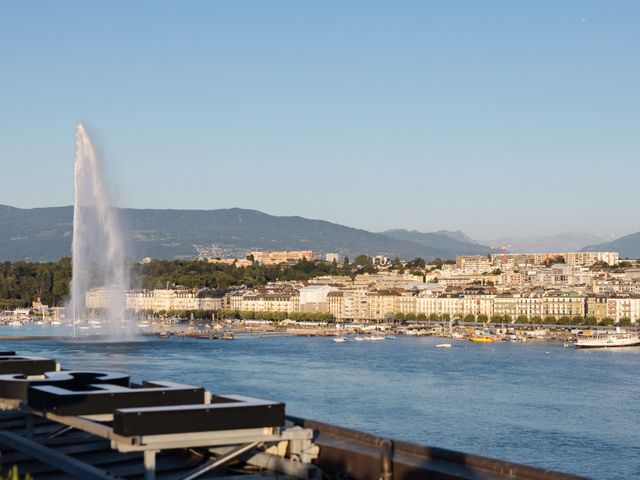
(44,234)
(627,246)
(561,242)
(443,239)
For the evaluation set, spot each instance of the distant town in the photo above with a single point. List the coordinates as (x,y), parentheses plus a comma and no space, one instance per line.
(568,288)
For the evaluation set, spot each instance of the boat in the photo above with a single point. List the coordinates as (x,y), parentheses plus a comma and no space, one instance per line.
(376,338)
(359,339)
(444,345)
(481,339)
(390,337)
(340,339)
(608,340)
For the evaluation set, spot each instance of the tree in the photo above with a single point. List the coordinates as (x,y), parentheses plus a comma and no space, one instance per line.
(482,318)
(536,320)
(577,320)
(550,319)
(591,320)
(416,263)
(625,322)
(469,318)
(522,319)
(607,321)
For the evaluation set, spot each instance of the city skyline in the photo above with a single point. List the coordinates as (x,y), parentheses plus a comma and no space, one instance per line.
(495,119)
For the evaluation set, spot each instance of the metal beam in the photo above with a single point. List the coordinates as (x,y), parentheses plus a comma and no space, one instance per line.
(220,461)
(67,464)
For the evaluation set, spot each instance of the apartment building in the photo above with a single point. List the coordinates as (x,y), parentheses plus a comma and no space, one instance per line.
(158,300)
(313,298)
(559,303)
(276,257)
(585,259)
(381,305)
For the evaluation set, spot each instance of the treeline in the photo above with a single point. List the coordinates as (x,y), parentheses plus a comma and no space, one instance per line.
(23,282)
(200,273)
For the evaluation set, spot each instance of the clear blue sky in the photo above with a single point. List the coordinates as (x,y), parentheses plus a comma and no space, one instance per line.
(494,117)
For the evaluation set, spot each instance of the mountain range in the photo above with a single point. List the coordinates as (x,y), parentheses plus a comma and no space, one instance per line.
(44,234)
(628,246)
(561,242)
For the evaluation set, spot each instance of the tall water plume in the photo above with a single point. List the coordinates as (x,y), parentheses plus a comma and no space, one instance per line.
(98,246)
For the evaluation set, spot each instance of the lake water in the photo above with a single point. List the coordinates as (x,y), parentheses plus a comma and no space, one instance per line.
(536,403)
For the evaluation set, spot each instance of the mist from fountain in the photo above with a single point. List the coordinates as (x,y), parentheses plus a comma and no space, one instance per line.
(98,252)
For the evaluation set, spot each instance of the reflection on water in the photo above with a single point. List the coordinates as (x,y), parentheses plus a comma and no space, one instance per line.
(541,404)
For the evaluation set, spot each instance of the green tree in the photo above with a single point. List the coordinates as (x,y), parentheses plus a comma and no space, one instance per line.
(625,322)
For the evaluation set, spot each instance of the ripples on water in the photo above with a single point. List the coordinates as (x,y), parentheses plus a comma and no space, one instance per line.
(536,403)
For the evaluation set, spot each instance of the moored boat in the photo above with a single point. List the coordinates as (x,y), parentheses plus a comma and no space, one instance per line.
(481,339)
(608,340)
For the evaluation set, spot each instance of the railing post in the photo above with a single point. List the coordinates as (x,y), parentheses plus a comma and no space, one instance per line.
(386,459)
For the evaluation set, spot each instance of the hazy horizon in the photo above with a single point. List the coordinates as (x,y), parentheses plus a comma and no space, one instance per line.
(494,118)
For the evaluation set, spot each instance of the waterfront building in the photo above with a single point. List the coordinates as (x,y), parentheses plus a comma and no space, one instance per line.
(381,305)
(287,302)
(563,303)
(313,298)
(335,300)
(158,300)
(406,302)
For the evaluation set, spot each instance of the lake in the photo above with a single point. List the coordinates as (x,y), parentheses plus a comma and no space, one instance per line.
(535,403)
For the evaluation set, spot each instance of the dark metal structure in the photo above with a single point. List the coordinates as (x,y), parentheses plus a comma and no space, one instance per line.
(100,425)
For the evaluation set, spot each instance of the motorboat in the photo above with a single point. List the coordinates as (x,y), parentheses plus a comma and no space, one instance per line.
(340,339)
(481,339)
(444,345)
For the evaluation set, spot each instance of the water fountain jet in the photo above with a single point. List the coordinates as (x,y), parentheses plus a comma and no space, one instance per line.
(98,251)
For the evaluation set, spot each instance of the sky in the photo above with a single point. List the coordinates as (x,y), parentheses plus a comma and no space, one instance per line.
(498,118)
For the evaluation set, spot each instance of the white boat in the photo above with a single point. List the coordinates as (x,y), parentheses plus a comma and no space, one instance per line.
(608,340)
(376,338)
(444,345)
(340,339)
(359,339)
